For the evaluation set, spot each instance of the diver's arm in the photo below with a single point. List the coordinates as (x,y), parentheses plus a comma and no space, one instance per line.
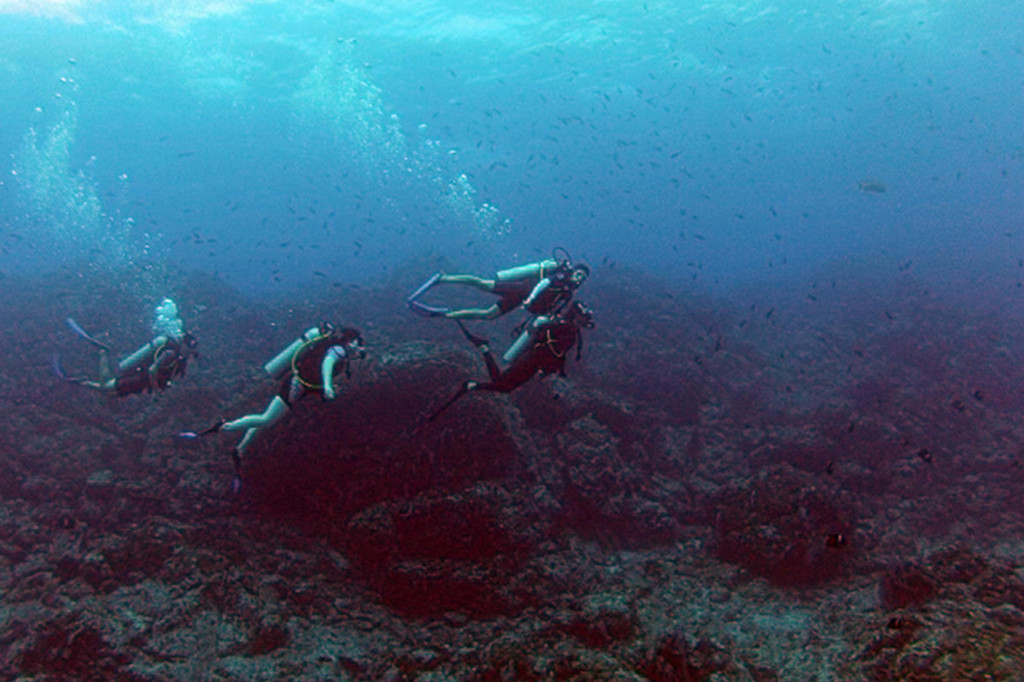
(140,356)
(333,355)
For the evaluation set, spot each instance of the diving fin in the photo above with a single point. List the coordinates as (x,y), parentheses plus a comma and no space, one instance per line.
(77,328)
(212,428)
(58,371)
(423,287)
(427,310)
(465,388)
(236,481)
(477,341)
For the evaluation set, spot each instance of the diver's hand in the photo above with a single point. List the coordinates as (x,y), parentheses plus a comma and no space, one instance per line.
(328,392)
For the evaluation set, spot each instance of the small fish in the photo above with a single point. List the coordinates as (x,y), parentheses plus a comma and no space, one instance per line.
(978,395)
(830,468)
(898,623)
(835,541)
(873,186)
(925,455)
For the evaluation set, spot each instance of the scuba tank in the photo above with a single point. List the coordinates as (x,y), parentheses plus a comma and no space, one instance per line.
(538,270)
(282,362)
(141,356)
(523,340)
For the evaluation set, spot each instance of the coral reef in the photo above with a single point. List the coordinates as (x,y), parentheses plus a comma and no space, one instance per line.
(714,493)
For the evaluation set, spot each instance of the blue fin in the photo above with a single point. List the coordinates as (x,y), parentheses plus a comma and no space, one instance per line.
(58,370)
(423,287)
(77,328)
(427,310)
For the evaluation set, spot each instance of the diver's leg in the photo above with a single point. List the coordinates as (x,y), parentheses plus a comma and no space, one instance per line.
(105,372)
(103,386)
(489,313)
(492,366)
(108,386)
(254,423)
(270,416)
(470,280)
(244,444)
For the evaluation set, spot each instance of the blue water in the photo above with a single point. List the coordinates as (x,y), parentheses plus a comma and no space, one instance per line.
(721,145)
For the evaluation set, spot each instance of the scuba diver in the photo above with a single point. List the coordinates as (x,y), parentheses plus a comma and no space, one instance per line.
(552,338)
(308,366)
(542,288)
(153,366)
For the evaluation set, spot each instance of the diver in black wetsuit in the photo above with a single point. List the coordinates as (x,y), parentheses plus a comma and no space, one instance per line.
(308,366)
(153,366)
(551,340)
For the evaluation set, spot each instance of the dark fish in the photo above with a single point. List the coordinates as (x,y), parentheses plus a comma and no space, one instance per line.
(898,623)
(925,455)
(830,468)
(978,395)
(835,540)
(873,186)
(185,155)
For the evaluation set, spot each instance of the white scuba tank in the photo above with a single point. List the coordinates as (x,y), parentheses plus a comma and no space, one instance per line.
(538,270)
(143,356)
(523,341)
(282,362)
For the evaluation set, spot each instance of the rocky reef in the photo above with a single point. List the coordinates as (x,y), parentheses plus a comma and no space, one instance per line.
(823,488)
